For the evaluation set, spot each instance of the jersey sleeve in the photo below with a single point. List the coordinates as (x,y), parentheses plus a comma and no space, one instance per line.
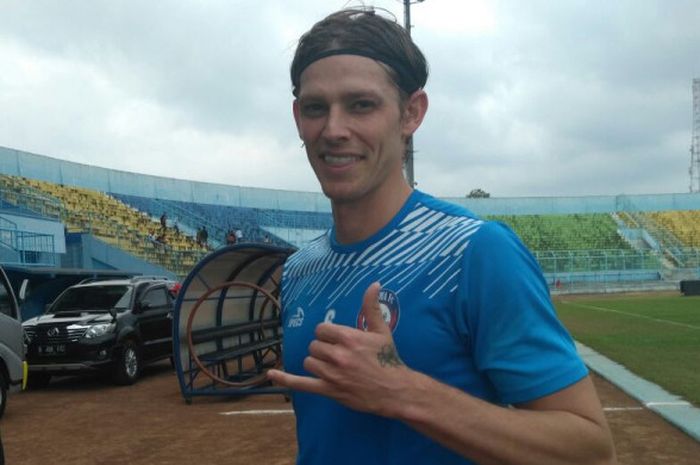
(514,334)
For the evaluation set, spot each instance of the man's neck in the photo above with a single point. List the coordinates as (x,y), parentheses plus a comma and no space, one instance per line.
(356,221)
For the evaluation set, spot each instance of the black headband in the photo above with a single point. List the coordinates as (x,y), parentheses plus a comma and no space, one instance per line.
(406,82)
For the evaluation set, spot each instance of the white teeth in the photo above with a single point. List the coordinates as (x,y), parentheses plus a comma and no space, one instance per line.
(337,160)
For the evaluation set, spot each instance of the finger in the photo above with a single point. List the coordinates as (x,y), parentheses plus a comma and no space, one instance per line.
(298,383)
(322,350)
(333,333)
(372,310)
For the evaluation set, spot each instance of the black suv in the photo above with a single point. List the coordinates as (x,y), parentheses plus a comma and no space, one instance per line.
(115,326)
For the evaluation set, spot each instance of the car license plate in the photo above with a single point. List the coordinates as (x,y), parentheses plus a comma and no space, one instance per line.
(57,349)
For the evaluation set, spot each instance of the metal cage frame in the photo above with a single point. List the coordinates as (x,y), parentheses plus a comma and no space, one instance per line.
(226,323)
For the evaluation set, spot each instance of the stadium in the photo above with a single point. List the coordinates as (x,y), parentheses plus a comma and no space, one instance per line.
(66,215)
(153,194)
(62,222)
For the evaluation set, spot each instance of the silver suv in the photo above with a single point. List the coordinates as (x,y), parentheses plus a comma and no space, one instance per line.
(13,368)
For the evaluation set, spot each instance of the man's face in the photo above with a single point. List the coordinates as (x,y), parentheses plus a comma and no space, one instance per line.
(349,117)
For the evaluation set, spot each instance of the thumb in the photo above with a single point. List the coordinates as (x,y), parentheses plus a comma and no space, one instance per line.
(372,311)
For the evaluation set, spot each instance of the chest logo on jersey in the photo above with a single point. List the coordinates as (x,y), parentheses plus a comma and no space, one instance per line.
(389,304)
(296,320)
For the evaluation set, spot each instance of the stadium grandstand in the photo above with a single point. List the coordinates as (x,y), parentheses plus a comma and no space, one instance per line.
(57,215)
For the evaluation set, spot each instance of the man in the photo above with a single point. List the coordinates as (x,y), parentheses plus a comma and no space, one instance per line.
(230,237)
(415,333)
(205,237)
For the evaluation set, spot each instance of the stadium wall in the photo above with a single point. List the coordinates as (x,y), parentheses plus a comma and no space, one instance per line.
(19,163)
(88,252)
(583,204)
(39,226)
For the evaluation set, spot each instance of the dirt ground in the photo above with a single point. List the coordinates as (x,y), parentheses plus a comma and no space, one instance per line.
(81,421)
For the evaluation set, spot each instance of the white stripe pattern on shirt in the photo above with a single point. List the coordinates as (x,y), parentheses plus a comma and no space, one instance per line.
(427,242)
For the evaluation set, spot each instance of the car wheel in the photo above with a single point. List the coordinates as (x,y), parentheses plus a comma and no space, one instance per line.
(3,394)
(38,380)
(128,364)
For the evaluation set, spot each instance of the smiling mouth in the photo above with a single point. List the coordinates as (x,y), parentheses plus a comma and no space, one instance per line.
(339,160)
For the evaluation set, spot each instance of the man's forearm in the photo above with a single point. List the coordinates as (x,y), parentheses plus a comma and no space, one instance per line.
(491,434)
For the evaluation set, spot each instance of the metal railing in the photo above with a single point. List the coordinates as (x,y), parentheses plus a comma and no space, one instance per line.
(28,248)
(569,261)
(669,243)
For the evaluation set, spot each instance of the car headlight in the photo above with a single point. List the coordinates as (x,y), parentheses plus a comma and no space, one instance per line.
(28,334)
(98,330)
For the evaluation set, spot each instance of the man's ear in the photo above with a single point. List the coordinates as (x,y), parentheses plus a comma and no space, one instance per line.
(414,111)
(297,119)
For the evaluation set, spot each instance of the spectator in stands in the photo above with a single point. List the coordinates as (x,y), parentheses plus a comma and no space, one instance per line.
(152,238)
(198,238)
(239,235)
(157,240)
(266,239)
(457,357)
(205,237)
(230,237)
(163,221)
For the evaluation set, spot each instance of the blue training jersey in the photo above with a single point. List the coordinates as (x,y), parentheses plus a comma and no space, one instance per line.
(467,305)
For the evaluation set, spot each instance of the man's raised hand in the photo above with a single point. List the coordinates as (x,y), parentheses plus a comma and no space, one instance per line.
(360,369)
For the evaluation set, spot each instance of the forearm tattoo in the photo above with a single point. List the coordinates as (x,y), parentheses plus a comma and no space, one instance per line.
(388,356)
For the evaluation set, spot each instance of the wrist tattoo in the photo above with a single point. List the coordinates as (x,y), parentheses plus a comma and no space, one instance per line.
(388,356)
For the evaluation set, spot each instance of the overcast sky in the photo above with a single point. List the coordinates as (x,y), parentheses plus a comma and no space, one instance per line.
(527,98)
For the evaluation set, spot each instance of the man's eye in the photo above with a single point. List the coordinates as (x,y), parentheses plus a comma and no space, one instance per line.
(313,109)
(363,105)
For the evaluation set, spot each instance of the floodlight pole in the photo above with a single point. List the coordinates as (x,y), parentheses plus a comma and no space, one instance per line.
(409,146)
(694,169)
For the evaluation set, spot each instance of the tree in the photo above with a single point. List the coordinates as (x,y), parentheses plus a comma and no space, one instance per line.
(478,193)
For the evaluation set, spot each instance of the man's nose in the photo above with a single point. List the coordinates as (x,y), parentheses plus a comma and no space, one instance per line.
(336,127)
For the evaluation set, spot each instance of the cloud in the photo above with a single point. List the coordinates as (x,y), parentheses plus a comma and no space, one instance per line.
(559,98)
(572,100)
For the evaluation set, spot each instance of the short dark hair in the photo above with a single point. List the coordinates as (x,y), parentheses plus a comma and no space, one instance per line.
(366,33)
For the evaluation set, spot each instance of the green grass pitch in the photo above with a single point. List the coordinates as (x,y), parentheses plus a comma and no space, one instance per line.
(655,336)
